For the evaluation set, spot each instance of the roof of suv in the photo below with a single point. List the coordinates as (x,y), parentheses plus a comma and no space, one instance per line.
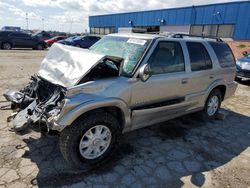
(169,35)
(137,35)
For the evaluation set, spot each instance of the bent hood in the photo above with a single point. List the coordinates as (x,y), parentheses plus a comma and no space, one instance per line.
(67,65)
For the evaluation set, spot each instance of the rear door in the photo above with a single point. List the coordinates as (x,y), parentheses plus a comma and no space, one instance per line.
(202,72)
(163,95)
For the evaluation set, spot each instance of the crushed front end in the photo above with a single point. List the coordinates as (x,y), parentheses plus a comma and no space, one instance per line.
(34,104)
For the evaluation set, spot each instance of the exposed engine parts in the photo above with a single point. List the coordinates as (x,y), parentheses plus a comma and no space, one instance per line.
(34,102)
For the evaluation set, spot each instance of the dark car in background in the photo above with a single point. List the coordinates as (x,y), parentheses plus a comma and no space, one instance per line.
(85,41)
(243,67)
(10,39)
(55,39)
(42,35)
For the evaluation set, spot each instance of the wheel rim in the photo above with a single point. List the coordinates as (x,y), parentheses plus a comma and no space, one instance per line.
(212,105)
(6,46)
(95,142)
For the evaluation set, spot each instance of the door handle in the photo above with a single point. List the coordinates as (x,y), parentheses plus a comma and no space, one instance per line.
(184,81)
(211,76)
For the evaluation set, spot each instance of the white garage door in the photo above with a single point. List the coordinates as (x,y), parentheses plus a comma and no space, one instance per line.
(175,28)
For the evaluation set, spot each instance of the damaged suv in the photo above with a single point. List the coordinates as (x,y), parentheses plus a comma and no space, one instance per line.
(122,83)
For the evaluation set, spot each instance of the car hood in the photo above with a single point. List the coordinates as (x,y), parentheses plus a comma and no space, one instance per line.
(67,65)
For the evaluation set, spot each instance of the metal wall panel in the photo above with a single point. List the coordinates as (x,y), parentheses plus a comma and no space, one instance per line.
(242,23)
(236,13)
(208,15)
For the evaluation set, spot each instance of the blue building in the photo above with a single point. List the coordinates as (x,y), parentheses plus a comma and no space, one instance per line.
(226,20)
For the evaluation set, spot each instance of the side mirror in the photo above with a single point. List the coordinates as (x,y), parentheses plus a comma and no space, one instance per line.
(144,73)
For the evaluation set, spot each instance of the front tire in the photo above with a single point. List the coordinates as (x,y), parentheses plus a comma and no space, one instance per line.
(212,105)
(90,140)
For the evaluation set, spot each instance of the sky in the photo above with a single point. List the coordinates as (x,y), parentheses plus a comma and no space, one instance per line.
(72,15)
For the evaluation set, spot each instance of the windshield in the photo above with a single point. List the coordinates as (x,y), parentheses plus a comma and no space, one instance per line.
(130,49)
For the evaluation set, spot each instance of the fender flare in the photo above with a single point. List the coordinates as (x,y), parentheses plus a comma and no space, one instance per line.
(69,117)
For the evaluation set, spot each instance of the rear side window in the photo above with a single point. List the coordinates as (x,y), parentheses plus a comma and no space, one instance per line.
(223,53)
(199,57)
(21,35)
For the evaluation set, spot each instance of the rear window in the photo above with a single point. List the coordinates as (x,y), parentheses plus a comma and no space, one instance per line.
(223,53)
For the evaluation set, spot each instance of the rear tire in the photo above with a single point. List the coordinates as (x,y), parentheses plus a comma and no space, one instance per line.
(212,105)
(6,46)
(84,132)
(39,47)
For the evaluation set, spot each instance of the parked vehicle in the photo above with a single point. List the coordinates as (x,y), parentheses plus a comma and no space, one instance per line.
(42,35)
(122,83)
(85,41)
(67,40)
(243,67)
(10,39)
(54,39)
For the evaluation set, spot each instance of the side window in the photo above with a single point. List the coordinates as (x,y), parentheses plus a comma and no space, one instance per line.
(199,57)
(167,58)
(93,38)
(21,35)
(223,53)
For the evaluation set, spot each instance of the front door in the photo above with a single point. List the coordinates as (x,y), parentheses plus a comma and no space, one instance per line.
(163,94)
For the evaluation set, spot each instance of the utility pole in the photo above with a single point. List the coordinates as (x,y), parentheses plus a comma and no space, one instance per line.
(70,27)
(43,23)
(27,21)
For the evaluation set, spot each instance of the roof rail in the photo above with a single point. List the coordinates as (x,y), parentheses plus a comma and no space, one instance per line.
(181,35)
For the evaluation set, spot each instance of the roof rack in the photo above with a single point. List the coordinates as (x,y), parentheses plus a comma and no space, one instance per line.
(181,35)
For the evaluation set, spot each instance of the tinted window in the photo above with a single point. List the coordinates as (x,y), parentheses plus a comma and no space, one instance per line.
(167,58)
(223,53)
(19,35)
(199,57)
(4,33)
(93,38)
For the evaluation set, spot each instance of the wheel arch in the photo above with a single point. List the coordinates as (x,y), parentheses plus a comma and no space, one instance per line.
(222,89)
(115,107)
